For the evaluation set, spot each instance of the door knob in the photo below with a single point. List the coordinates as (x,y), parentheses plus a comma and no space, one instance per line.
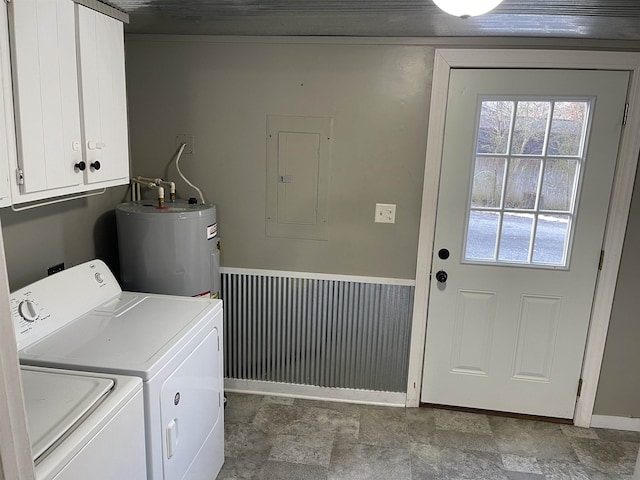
(441,276)
(95,165)
(80,166)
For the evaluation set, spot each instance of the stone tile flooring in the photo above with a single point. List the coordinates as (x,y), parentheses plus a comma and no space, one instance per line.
(284,438)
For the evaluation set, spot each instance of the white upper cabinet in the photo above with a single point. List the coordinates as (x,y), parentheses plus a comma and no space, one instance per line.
(103,97)
(69,99)
(7,137)
(43,43)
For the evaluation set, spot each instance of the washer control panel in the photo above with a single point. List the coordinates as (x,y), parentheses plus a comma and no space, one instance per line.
(28,309)
(48,304)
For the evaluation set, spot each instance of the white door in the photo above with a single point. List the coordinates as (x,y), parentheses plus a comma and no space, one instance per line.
(190,408)
(45,81)
(103,97)
(7,131)
(527,167)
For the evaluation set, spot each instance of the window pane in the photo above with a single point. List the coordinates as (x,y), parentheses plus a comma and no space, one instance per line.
(530,128)
(567,126)
(558,183)
(495,124)
(551,239)
(488,177)
(516,237)
(522,183)
(527,167)
(482,235)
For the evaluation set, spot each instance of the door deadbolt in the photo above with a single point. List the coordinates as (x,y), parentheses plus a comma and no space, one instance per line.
(443,254)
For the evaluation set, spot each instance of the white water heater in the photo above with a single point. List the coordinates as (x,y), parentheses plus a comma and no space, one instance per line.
(172,249)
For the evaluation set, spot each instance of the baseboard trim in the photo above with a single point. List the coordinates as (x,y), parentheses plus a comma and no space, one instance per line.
(615,423)
(311,392)
(407,282)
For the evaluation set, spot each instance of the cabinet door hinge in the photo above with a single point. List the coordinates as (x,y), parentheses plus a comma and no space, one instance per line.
(626,114)
(579,388)
(601,260)
(19,176)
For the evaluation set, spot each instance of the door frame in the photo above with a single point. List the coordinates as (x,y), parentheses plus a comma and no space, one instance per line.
(16,461)
(445,60)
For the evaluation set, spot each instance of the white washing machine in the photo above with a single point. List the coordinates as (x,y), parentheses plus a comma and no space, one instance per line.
(84,425)
(80,319)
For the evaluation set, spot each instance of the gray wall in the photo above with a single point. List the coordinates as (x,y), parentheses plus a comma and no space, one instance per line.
(619,387)
(72,232)
(222,93)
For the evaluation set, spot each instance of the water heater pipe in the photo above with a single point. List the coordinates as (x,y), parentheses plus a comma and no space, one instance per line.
(160,197)
(172,191)
(150,183)
(153,183)
(135,191)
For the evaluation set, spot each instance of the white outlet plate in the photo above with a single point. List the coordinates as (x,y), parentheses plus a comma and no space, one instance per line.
(385,213)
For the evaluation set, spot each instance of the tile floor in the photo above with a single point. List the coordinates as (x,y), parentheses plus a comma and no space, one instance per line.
(284,438)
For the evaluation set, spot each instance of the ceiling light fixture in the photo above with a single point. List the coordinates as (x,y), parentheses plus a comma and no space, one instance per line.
(467,8)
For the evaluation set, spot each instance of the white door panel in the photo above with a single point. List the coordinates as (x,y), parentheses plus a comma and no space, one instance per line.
(46,93)
(191,406)
(507,329)
(103,96)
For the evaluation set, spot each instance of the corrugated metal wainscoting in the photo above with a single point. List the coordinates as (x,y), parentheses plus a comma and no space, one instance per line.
(326,333)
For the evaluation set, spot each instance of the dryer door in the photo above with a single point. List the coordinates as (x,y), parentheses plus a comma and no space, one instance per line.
(191,407)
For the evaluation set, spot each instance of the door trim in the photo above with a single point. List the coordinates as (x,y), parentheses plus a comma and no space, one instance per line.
(15,446)
(445,60)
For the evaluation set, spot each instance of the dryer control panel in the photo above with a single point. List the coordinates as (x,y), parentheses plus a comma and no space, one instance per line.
(48,304)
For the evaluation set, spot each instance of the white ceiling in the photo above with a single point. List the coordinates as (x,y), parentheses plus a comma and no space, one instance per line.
(600,19)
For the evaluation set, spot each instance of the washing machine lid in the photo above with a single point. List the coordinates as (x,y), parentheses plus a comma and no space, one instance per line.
(55,403)
(131,334)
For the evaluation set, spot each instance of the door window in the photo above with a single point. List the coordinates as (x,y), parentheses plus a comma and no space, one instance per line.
(529,159)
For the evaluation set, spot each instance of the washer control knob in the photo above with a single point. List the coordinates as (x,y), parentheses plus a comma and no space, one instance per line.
(28,310)
(99,278)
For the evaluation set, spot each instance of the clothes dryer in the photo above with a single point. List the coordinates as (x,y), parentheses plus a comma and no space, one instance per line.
(80,319)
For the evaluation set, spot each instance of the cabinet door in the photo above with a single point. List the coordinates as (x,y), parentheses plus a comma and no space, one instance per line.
(43,43)
(7,136)
(103,98)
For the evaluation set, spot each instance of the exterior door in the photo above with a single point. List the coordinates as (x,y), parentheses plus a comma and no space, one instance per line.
(527,168)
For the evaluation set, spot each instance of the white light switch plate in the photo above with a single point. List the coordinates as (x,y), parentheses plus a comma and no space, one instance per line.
(385,213)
